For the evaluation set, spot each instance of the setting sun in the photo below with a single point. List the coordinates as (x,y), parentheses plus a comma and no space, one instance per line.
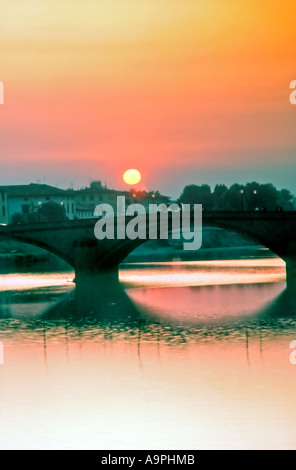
(132,176)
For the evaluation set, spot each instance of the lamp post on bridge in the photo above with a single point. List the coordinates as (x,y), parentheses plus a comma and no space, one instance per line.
(255,198)
(38,207)
(242,199)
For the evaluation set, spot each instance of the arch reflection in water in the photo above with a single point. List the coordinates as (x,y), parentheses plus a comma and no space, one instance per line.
(182,307)
(97,362)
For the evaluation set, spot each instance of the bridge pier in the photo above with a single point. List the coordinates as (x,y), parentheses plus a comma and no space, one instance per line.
(99,279)
(291,273)
(102,296)
(89,267)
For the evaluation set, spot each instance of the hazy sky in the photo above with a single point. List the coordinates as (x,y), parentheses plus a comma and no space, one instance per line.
(186,91)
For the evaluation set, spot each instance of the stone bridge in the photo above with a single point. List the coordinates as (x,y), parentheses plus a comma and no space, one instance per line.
(74,241)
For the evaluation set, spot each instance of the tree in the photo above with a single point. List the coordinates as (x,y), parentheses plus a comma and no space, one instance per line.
(267,196)
(239,197)
(219,191)
(194,194)
(286,200)
(252,196)
(18,218)
(233,199)
(51,212)
(47,212)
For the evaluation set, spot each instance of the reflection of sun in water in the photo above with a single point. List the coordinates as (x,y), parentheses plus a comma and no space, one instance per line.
(132,176)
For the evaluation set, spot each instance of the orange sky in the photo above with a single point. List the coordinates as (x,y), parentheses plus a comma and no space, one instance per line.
(183,91)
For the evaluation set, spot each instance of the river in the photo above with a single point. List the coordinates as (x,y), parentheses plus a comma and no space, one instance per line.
(186,355)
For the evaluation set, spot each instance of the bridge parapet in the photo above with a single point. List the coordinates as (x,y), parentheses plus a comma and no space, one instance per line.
(75,242)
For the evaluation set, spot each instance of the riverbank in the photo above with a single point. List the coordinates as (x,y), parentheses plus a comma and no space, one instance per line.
(203,254)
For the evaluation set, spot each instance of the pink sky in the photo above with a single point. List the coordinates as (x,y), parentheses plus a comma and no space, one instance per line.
(194,92)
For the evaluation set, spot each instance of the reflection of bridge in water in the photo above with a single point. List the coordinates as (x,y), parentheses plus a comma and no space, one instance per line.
(114,305)
(74,241)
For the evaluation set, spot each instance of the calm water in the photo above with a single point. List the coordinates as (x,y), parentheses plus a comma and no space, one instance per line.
(190,355)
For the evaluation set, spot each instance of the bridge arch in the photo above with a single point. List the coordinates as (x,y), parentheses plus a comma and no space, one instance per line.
(75,242)
(40,244)
(125,247)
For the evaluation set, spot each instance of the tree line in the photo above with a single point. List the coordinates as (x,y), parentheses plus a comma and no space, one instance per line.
(251,196)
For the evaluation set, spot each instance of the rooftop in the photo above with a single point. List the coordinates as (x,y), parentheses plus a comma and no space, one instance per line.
(33,189)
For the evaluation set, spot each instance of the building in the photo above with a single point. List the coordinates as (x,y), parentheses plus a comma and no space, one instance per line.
(88,198)
(28,198)
(3,207)
(78,204)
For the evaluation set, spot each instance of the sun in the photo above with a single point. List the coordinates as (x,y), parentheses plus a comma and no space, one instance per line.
(132,176)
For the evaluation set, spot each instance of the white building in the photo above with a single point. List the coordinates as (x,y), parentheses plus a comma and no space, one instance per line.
(3,208)
(80,204)
(88,198)
(25,199)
